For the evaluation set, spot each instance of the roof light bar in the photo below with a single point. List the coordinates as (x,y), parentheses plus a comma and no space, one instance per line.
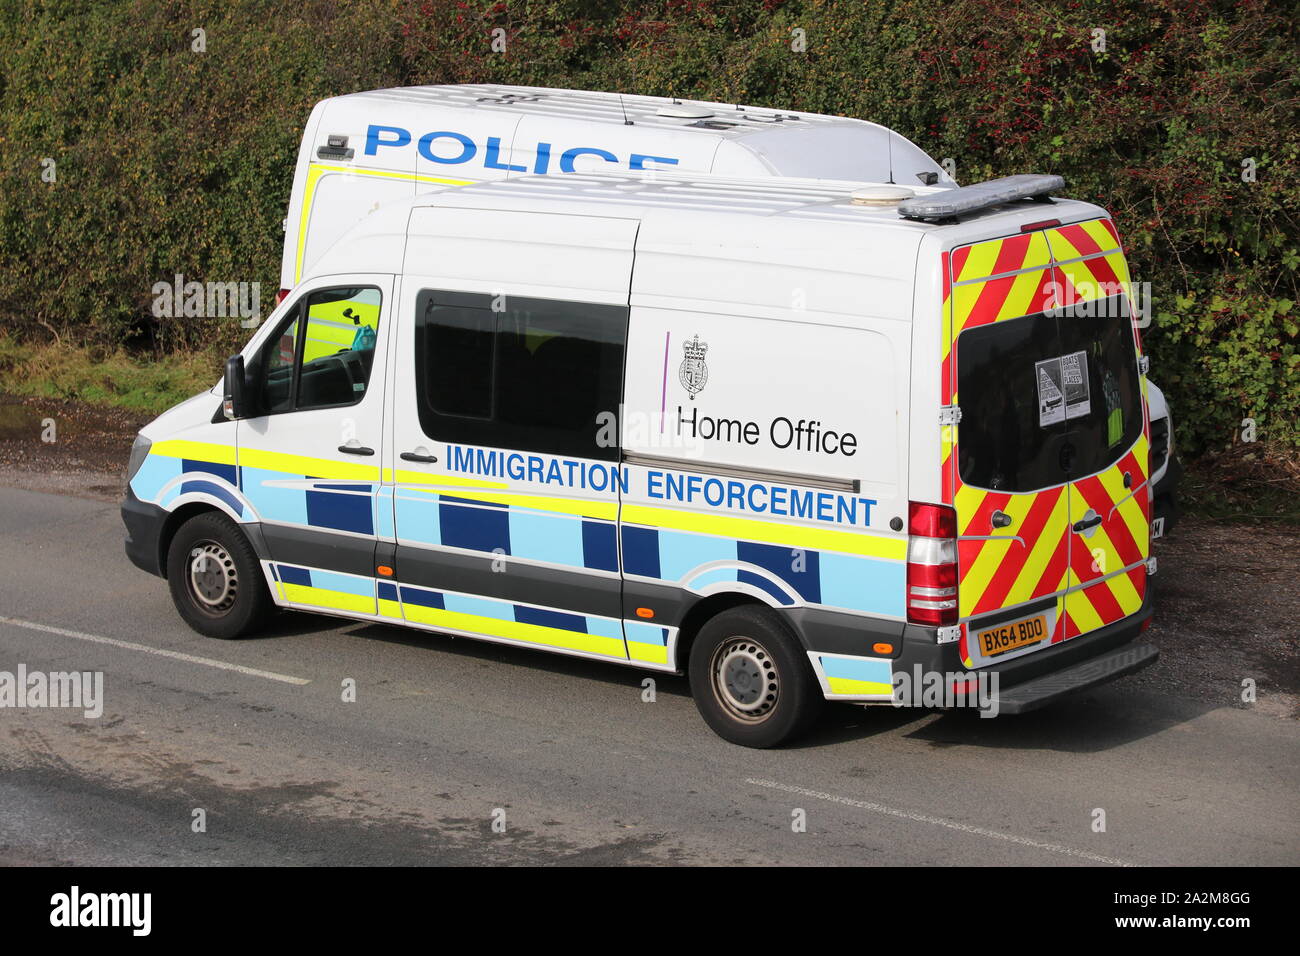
(954,203)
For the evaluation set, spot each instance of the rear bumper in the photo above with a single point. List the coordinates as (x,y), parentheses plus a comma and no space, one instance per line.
(1046,676)
(144,526)
(1085,675)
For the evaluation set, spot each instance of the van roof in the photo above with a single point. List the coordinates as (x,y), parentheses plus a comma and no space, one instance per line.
(669,193)
(721,138)
(686,193)
(726,120)
(689,207)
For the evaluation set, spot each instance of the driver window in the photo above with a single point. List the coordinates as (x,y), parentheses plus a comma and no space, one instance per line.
(324,353)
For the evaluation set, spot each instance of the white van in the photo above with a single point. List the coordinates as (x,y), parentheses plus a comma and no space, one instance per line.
(364,150)
(800,440)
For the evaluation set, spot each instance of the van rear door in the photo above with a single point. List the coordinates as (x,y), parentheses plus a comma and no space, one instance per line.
(1107,434)
(1048,470)
(1003,475)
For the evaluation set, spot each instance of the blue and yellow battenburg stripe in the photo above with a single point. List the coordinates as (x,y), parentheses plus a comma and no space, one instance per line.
(310,492)
(791,564)
(446,610)
(470,519)
(842,675)
(789,575)
(176,468)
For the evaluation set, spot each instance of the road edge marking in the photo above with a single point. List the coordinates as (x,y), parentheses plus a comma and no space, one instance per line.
(940,821)
(158,651)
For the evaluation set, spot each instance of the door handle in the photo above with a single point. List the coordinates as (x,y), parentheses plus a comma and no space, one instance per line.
(356,450)
(412,456)
(1081,526)
(1001,519)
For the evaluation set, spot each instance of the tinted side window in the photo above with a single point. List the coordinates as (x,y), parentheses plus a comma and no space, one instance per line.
(533,376)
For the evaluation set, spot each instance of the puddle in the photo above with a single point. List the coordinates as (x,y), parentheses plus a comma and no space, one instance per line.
(26,423)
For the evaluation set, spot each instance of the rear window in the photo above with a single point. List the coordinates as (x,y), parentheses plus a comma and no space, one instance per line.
(1047,398)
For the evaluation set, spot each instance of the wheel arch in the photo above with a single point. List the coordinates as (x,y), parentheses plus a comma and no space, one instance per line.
(704,610)
(192,509)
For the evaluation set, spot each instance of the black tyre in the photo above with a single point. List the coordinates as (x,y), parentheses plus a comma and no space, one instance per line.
(751,679)
(215,578)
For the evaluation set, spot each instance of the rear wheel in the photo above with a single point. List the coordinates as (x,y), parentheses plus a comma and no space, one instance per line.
(215,578)
(751,679)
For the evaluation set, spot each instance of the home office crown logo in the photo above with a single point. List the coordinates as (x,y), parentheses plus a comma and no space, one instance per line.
(694,373)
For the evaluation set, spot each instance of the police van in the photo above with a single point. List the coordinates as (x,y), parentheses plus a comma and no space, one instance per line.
(364,150)
(795,439)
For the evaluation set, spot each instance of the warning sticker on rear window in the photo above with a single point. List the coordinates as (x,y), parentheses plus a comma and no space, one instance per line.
(1062,388)
(1074,374)
(1051,400)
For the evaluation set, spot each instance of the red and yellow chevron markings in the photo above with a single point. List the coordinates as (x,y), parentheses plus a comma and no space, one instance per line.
(1002,279)
(999,567)
(1035,556)
(987,282)
(1107,569)
(1088,260)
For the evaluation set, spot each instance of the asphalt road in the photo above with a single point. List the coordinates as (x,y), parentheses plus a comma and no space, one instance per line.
(446,735)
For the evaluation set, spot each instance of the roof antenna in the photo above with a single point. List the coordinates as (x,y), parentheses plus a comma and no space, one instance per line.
(626,121)
(889,143)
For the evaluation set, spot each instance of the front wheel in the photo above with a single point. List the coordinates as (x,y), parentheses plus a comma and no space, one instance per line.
(751,679)
(215,578)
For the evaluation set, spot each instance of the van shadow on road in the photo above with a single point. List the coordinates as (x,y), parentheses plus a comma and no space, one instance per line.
(1101,720)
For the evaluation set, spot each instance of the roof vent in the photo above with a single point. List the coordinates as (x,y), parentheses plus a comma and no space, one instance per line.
(880,195)
(684,111)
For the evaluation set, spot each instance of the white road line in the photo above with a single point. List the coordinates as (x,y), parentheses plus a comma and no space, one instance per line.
(157,651)
(939,821)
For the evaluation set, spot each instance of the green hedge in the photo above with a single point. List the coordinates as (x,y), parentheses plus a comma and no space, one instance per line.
(175,161)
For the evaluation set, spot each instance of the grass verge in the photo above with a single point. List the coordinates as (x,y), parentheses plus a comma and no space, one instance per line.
(104,377)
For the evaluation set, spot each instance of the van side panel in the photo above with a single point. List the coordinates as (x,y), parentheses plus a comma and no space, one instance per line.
(765,431)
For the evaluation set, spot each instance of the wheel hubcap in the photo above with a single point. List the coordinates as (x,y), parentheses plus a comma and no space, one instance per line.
(212,578)
(745,680)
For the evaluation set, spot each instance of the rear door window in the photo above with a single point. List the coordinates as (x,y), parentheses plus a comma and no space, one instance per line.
(1047,398)
(1108,415)
(1001,440)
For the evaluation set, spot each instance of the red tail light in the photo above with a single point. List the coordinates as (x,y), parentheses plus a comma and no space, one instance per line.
(281,296)
(931,564)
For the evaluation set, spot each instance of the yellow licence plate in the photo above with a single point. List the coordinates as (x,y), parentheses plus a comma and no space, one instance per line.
(1012,636)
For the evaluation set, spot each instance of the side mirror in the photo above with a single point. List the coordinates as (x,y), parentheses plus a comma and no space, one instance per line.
(233,403)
